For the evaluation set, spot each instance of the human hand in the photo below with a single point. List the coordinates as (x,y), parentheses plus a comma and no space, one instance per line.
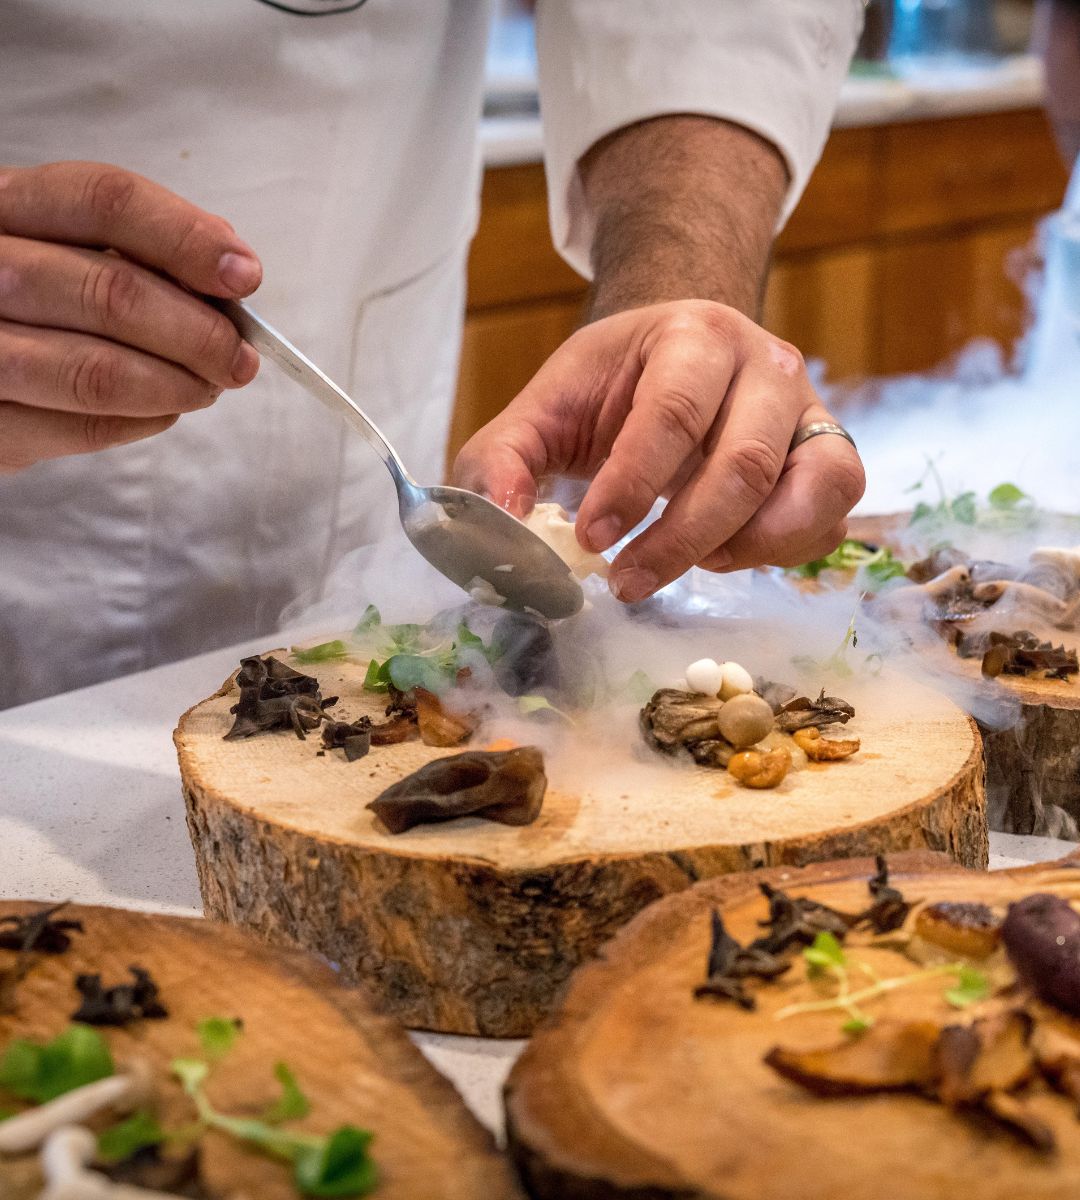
(689,400)
(101,342)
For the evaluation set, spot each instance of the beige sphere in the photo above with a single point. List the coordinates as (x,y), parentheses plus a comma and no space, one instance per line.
(745,719)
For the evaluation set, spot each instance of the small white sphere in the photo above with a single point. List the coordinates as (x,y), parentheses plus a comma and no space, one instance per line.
(705,676)
(736,681)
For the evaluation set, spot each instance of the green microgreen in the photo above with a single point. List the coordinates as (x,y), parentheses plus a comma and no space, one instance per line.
(527,705)
(138,1132)
(827,961)
(324,652)
(40,1072)
(334,1164)
(873,565)
(217,1035)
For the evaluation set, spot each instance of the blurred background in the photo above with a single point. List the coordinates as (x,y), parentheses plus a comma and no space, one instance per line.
(916,235)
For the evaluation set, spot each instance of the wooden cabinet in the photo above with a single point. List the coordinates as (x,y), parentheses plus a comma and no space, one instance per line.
(911,239)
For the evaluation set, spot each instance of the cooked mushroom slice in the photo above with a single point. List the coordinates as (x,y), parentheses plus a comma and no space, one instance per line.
(1042,938)
(890,1056)
(960,929)
(990,1055)
(673,720)
(819,749)
(937,562)
(438,726)
(802,713)
(504,785)
(1024,595)
(1019,1119)
(1056,1042)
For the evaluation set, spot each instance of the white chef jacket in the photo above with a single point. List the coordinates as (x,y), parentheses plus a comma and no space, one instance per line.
(344,148)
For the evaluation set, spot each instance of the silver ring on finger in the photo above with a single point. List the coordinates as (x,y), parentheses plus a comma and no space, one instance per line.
(816,429)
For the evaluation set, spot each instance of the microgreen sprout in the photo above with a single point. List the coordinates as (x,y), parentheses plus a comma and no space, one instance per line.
(39,1072)
(826,960)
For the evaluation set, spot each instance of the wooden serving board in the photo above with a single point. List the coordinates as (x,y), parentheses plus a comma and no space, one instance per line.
(355,1066)
(634,1089)
(472,927)
(1032,767)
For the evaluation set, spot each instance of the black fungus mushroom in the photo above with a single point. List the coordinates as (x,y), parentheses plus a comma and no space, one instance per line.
(274,696)
(507,786)
(40,931)
(354,737)
(120,1004)
(523,658)
(796,921)
(730,964)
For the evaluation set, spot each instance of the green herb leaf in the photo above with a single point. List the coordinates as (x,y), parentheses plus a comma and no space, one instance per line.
(191,1072)
(324,652)
(76,1057)
(1006,496)
(921,512)
(341,1166)
(858,1024)
(407,671)
(639,688)
(972,986)
(292,1104)
(120,1142)
(527,705)
(370,620)
(825,952)
(5,1113)
(373,677)
(218,1035)
(964,508)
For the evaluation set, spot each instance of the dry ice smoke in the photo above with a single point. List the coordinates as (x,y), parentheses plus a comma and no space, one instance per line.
(979,428)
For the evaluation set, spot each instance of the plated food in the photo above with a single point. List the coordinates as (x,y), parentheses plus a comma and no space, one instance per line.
(150,1056)
(853,1029)
(462,866)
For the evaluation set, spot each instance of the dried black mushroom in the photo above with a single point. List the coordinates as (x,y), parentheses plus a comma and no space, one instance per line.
(507,786)
(796,921)
(354,737)
(804,713)
(120,1004)
(730,964)
(40,931)
(274,696)
(158,1168)
(889,910)
(1041,934)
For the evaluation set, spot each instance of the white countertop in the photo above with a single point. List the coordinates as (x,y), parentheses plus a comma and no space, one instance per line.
(91,810)
(511,134)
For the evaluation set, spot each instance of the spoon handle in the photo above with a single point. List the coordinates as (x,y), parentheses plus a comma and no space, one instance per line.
(265,338)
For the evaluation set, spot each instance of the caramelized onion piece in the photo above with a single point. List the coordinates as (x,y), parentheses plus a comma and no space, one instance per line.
(438,727)
(506,786)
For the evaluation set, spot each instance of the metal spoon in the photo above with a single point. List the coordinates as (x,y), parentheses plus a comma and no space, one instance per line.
(470,540)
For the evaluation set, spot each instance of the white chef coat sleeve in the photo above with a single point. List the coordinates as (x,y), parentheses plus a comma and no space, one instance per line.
(773,66)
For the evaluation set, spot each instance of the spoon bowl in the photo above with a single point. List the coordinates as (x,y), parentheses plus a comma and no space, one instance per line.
(470,540)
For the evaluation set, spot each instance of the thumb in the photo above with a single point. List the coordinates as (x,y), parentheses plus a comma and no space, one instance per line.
(495,468)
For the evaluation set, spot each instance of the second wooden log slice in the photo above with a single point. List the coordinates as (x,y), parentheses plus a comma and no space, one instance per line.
(355,1066)
(472,927)
(637,1090)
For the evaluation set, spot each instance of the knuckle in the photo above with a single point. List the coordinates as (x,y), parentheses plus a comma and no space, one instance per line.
(111,292)
(787,359)
(216,343)
(754,467)
(194,232)
(107,193)
(93,379)
(679,415)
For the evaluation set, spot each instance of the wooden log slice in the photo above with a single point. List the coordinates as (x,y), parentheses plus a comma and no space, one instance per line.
(472,927)
(635,1090)
(1033,766)
(356,1066)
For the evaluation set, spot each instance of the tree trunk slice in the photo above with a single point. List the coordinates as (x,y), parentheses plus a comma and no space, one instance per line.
(472,927)
(1032,767)
(356,1066)
(634,1090)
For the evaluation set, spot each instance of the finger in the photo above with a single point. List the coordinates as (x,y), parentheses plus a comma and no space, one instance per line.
(92,292)
(504,462)
(675,403)
(71,372)
(746,456)
(30,435)
(93,204)
(822,481)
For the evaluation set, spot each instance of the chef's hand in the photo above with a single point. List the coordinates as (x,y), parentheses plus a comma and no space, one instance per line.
(690,400)
(101,342)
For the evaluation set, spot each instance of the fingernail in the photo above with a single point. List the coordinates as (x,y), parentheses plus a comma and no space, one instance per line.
(603,533)
(632,584)
(245,366)
(239,272)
